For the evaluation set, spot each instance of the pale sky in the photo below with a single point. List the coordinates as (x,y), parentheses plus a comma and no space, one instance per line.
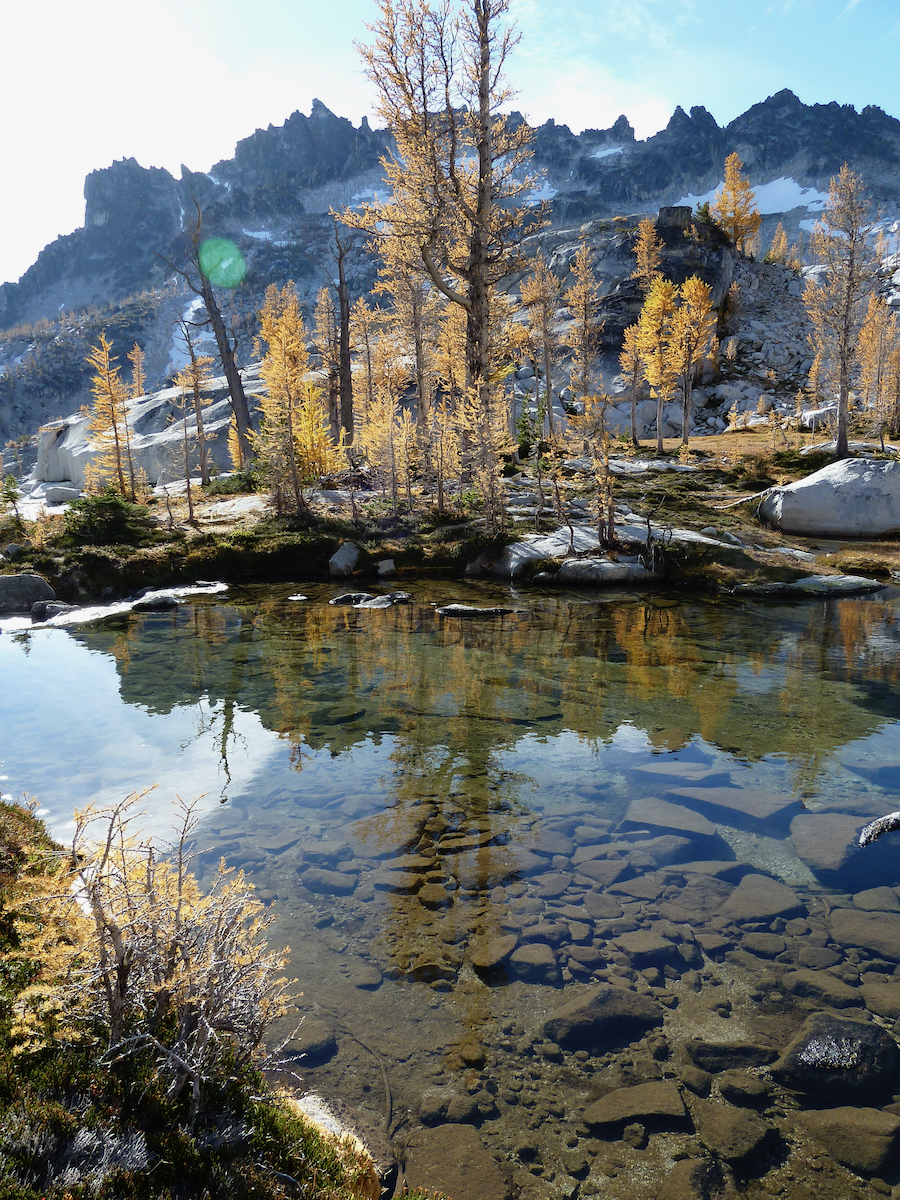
(168,83)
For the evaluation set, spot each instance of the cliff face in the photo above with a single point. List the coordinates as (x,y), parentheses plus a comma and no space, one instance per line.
(274,194)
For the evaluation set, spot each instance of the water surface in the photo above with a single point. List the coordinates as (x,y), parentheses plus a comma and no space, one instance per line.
(411,791)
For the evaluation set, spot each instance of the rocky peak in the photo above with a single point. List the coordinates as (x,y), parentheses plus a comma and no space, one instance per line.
(126,195)
(304,151)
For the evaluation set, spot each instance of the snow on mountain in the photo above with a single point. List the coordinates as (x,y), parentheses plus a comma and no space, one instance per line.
(780,196)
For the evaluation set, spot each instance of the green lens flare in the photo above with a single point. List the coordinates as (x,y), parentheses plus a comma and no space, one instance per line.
(222,263)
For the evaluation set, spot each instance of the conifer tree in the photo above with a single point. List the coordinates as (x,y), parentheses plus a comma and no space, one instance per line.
(108,419)
(778,251)
(648,252)
(654,343)
(879,342)
(581,337)
(294,445)
(539,296)
(632,368)
(383,438)
(364,324)
(457,172)
(326,340)
(734,206)
(690,339)
(588,434)
(837,305)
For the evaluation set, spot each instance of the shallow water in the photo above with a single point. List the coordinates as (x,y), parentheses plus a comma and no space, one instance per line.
(410,790)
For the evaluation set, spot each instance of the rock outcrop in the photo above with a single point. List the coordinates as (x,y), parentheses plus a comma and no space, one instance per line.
(854,498)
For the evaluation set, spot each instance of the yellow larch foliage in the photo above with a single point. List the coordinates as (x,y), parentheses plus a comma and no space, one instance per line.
(108,423)
(654,345)
(632,368)
(778,251)
(734,206)
(690,340)
(581,337)
(539,297)
(294,445)
(648,252)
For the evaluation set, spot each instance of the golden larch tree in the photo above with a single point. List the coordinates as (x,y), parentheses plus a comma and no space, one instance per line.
(109,420)
(581,336)
(539,297)
(632,368)
(734,206)
(691,338)
(192,379)
(654,344)
(456,177)
(778,251)
(837,304)
(648,252)
(294,445)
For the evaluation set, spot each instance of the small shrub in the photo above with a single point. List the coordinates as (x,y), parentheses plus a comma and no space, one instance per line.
(106,520)
(238,483)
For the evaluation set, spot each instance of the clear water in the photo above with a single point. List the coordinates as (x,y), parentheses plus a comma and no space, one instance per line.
(355,762)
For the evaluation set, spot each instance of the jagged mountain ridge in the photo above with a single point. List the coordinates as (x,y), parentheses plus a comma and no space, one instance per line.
(274,194)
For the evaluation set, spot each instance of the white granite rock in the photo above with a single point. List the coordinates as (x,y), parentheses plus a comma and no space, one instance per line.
(857,497)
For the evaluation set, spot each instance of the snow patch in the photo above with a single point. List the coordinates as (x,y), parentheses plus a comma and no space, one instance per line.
(780,196)
(608,152)
(545,192)
(261,235)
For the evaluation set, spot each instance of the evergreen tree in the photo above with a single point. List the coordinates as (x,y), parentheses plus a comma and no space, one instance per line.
(778,251)
(879,344)
(734,206)
(192,380)
(632,368)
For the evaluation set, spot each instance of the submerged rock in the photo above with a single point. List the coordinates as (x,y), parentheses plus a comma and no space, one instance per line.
(657,1099)
(863,1139)
(601,1017)
(452,1159)
(314,1042)
(838,1057)
(699,1179)
(731,1133)
(759,898)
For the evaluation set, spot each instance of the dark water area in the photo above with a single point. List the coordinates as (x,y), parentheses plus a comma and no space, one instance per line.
(464,826)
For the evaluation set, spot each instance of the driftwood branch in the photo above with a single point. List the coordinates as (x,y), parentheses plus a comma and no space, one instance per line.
(875,829)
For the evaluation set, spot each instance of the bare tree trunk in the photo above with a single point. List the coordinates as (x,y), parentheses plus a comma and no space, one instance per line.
(239,405)
(659,424)
(687,392)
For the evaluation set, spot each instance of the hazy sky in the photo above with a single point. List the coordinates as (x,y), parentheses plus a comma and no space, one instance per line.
(168,83)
